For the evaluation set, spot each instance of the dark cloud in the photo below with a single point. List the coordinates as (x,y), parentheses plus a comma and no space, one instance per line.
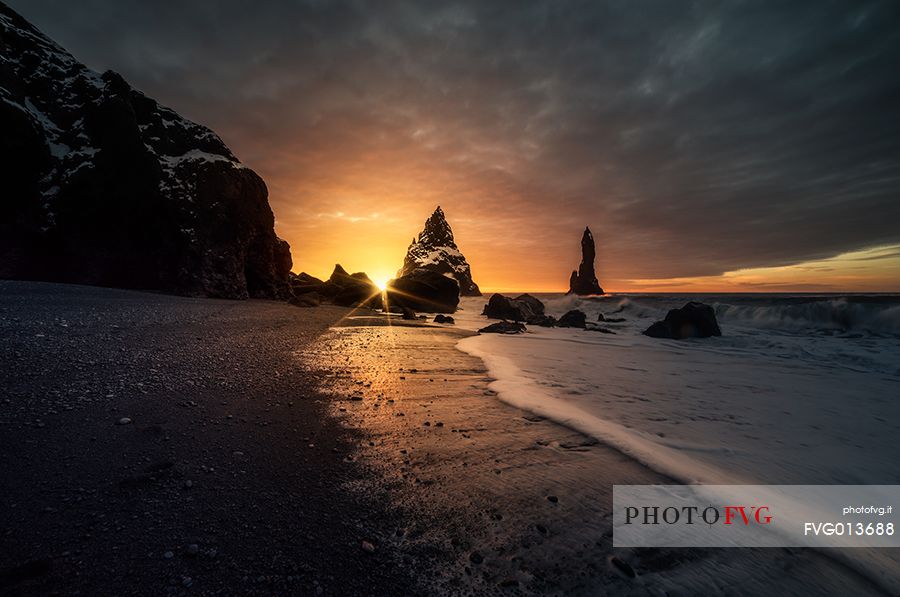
(696,138)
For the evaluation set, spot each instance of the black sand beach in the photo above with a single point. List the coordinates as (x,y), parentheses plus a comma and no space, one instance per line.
(230,478)
(278,450)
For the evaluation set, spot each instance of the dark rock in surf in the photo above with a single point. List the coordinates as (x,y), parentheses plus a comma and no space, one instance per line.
(424,290)
(503,327)
(104,186)
(522,308)
(545,321)
(439,318)
(584,280)
(408,314)
(694,320)
(572,319)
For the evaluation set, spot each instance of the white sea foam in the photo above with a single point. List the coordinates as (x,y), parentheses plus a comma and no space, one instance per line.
(798,390)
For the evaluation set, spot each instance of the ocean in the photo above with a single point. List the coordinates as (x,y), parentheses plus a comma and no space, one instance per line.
(799,389)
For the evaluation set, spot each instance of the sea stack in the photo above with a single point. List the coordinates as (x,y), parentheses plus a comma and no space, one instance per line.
(104,186)
(584,281)
(435,250)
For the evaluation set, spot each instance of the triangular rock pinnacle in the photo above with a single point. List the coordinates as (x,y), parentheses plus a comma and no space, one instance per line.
(436,250)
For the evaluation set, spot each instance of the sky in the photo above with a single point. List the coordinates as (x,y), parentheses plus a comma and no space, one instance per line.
(720,145)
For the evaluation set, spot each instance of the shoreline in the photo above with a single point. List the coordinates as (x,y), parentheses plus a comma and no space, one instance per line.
(486,476)
(274,449)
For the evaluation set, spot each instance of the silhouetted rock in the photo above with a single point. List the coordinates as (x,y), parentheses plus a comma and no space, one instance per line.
(424,290)
(302,283)
(544,321)
(584,281)
(307,299)
(694,320)
(436,250)
(503,327)
(572,319)
(351,290)
(104,186)
(593,327)
(522,308)
(408,314)
(443,319)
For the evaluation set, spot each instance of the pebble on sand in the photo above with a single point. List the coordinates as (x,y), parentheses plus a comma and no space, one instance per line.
(368,547)
(123,421)
(622,567)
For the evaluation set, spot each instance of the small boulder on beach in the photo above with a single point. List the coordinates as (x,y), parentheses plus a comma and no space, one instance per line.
(503,327)
(440,318)
(694,320)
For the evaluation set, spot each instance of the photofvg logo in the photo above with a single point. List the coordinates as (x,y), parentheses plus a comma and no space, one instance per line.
(755,515)
(732,514)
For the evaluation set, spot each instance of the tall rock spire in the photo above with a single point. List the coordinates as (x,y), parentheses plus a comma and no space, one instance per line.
(584,281)
(436,250)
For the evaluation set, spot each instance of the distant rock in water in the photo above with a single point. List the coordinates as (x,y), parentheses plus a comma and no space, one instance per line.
(436,250)
(424,290)
(584,281)
(104,186)
(439,318)
(694,320)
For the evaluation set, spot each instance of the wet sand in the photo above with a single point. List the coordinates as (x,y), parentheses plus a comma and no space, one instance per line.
(495,500)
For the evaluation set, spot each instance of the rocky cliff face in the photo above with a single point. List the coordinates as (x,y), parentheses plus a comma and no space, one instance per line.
(436,250)
(584,281)
(102,185)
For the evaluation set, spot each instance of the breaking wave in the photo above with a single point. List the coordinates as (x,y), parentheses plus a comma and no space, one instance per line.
(865,314)
(847,314)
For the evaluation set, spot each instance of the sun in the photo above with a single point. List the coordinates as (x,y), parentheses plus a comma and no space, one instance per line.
(381,283)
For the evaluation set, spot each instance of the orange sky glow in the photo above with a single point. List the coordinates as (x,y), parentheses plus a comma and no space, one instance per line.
(700,163)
